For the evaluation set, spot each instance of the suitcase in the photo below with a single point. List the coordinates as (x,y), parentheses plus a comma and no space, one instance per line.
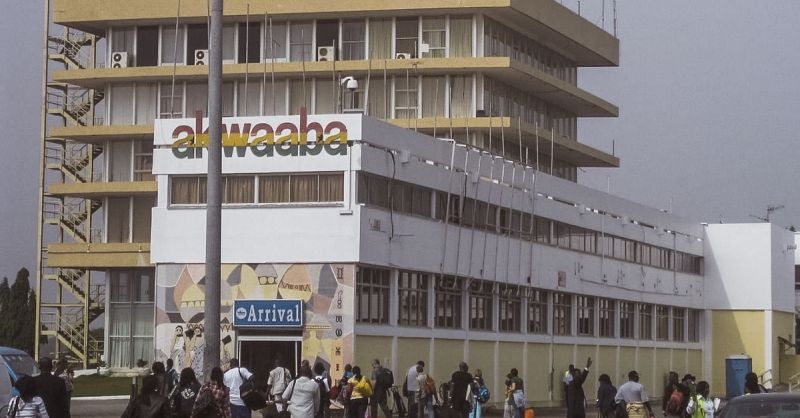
(398,402)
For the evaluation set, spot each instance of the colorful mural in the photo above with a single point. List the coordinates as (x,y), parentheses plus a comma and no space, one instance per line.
(325,289)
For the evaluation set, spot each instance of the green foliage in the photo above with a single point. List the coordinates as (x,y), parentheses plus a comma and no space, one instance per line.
(18,307)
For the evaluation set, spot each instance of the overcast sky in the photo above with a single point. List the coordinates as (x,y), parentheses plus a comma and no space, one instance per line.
(708,94)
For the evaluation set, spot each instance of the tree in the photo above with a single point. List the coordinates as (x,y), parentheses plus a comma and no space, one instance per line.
(20,332)
(5,295)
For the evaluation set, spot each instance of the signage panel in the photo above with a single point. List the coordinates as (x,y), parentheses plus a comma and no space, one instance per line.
(268,313)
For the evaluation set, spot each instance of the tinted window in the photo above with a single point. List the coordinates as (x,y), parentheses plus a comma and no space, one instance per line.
(21,364)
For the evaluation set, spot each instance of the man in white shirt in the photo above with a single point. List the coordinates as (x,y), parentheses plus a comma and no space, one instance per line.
(635,397)
(412,386)
(279,378)
(302,395)
(234,378)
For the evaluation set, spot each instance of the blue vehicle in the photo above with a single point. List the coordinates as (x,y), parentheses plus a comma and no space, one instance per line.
(17,363)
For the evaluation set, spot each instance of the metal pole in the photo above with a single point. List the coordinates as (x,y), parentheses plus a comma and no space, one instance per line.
(214,205)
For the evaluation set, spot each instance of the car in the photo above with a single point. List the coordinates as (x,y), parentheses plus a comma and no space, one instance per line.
(17,363)
(773,405)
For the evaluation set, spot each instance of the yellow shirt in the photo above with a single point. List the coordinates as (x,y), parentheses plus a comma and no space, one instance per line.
(361,388)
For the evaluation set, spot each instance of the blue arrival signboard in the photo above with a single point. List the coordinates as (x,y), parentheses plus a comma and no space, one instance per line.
(268,313)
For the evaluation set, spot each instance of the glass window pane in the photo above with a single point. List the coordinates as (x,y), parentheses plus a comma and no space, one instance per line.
(304,188)
(275,42)
(273,189)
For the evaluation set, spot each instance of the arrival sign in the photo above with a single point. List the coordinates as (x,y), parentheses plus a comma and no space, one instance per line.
(268,313)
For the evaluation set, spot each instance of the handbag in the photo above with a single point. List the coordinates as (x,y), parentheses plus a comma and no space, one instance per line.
(249,395)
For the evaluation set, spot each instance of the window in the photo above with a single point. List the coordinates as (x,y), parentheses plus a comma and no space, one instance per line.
(196,99)
(275,98)
(146,46)
(695,316)
(585,306)
(188,190)
(434,35)
(275,41)
(405,97)
(122,41)
(412,289)
(461,36)
(537,311)
(607,317)
(300,95)
(372,295)
(300,36)
(662,322)
(562,314)
(543,230)
(327,32)
(510,308)
(146,101)
(142,210)
(380,38)
(480,305)
(238,189)
(626,319)
(121,109)
(118,219)
(373,190)
(196,38)
(354,33)
(448,293)
(143,161)
(130,333)
(249,48)
(299,188)
(119,160)
(434,95)
(377,98)
(324,95)
(407,36)
(171,101)
(248,98)
(678,324)
(645,321)
(172,51)
(461,96)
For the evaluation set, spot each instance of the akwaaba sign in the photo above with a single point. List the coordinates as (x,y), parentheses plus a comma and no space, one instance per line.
(268,313)
(261,137)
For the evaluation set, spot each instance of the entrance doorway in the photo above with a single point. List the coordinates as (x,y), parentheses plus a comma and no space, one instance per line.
(258,355)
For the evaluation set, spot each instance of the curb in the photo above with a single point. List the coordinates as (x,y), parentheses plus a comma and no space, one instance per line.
(102,398)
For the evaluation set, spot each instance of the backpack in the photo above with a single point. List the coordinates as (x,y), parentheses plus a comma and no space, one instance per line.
(675,402)
(324,391)
(483,394)
(385,378)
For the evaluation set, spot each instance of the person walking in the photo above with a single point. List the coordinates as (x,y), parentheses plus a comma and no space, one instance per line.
(68,375)
(605,396)
(213,399)
(161,374)
(517,392)
(460,390)
(362,391)
(52,390)
(233,378)
(302,395)
(323,380)
(576,398)
(173,378)
(700,405)
(27,404)
(382,380)
(411,387)
(426,393)
(478,386)
(635,397)
(150,403)
(279,378)
(185,394)
(676,397)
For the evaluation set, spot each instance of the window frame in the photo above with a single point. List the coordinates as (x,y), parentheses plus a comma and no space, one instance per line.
(372,282)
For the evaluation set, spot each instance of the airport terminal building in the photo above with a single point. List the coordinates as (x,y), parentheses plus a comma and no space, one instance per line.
(427,210)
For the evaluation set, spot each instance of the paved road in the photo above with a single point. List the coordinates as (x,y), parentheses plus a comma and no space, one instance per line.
(114,408)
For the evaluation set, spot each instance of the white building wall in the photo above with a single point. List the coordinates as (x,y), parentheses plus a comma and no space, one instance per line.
(749,267)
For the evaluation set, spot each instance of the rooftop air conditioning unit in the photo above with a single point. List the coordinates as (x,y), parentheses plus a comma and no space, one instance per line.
(325,53)
(119,59)
(402,56)
(200,57)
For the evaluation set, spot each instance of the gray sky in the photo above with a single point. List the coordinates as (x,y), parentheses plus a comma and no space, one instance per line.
(708,94)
